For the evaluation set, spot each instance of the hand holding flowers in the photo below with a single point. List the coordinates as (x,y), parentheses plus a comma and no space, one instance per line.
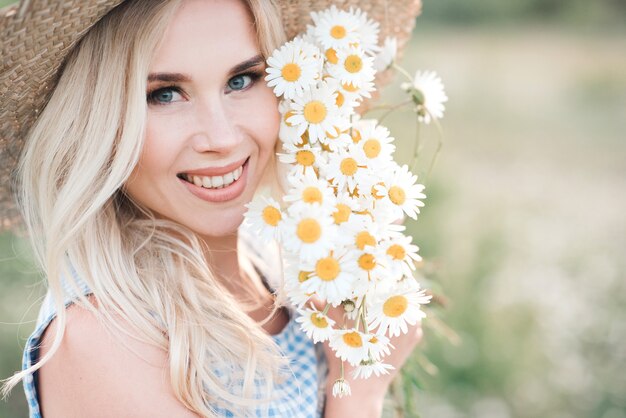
(348,265)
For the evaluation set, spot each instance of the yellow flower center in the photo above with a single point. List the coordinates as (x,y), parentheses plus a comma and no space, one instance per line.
(331,56)
(371,148)
(373,340)
(309,230)
(327,269)
(340,99)
(364,238)
(348,166)
(338,32)
(367,262)
(396,252)
(314,111)
(312,195)
(291,72)
(395,306)
(397,195)
(356,136)
(318,320)
(288,114)
(349,87)
(353,339)
(353,64)
(342,214)
(271,215)
(305,158)
(303,276)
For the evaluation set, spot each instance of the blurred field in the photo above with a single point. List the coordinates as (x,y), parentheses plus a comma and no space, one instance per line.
(525,222)
(523,230)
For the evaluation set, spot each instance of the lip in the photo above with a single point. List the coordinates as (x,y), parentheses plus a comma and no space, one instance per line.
(230,192)
(216,171)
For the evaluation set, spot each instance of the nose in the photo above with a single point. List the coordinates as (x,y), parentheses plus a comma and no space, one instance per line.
(215,128)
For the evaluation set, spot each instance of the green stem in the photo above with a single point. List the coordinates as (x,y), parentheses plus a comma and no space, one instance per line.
(402,71)
(326,308)
(439,146)
(416,147)
(393,108)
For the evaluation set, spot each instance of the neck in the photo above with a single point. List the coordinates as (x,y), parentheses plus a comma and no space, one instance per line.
(223,257)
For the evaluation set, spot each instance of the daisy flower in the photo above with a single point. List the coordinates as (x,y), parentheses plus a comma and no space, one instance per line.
(429,95)
(304,160)
(332,277)
(366,368)
(316,111)
(402,192)
(397,309)
(264,217)
(315,324)
(368,31)
(336,141)
(309,231)
(341,388)
(369,268)
(345,168)
(353,67)
(376,142)
(294,277)
(288,133)
(290,70)
(344,207)
(400,255)
(309,189)
(335,137)
(378,346)
(349,345)
(346,101)
(386,55)
(361,91)
(335,28)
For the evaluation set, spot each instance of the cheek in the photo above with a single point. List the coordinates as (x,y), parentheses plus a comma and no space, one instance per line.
(267,121)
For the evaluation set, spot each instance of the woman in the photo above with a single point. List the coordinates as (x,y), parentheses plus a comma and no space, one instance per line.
(132,185)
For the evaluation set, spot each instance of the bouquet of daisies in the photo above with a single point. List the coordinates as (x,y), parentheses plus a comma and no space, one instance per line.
(338,222)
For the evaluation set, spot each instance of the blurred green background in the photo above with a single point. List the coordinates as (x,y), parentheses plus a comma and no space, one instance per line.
(524,229)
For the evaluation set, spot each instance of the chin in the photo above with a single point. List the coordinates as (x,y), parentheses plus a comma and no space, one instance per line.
(219,226)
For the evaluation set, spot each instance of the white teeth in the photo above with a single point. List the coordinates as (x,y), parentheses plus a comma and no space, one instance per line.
(218,181)
(215,182)
(228,178)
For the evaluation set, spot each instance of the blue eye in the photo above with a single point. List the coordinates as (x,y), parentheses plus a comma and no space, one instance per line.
(164,95)
(240,82)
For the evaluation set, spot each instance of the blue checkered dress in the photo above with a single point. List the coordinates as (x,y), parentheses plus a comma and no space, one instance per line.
(300,395)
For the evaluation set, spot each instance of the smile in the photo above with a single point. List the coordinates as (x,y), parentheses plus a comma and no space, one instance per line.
(217,184)
(214,182)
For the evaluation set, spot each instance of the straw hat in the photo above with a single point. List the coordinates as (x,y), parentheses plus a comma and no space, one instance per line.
(37,35)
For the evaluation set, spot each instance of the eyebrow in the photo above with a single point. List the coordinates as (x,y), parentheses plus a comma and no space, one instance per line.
(181,78)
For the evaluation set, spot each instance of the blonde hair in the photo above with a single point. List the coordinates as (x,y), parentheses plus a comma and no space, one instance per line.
(151,273)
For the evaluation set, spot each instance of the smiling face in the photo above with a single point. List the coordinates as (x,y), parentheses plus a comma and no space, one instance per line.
(212,123)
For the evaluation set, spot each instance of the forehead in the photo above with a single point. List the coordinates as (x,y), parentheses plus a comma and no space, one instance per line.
(206,34)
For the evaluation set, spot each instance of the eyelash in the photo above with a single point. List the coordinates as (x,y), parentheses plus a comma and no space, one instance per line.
(151,95)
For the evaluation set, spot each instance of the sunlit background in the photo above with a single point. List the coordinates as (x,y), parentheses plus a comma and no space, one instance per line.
(523,233)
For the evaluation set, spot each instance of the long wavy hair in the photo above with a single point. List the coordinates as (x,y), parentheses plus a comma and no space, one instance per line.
(152,273)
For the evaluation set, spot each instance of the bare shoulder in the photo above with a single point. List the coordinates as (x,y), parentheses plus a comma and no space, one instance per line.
(97,375)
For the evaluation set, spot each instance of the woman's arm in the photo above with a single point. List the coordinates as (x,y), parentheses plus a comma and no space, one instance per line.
(93,374)
(367,394)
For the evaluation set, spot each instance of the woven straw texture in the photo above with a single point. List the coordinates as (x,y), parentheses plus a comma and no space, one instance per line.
(37,35)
